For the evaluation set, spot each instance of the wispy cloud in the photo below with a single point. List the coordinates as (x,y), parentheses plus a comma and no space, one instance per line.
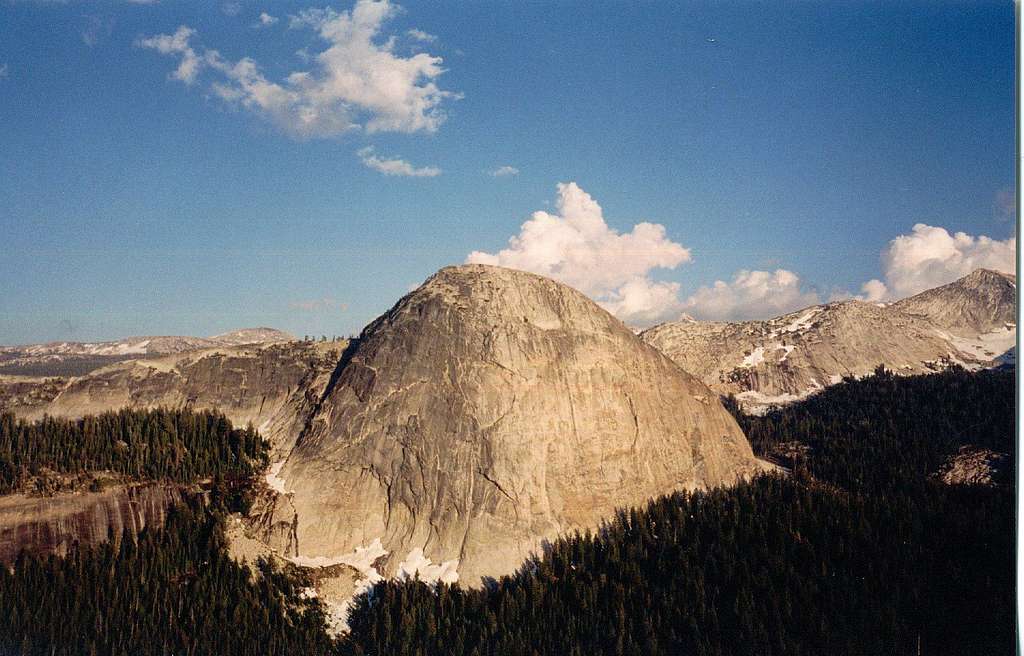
(4,70)
(357,83)
(96,29)
(395,166)
(1006,203)
(421,36)
(319,305)
(177,44)
(265,20)
(504,171)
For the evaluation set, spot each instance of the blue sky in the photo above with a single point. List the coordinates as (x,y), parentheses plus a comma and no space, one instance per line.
(788,150)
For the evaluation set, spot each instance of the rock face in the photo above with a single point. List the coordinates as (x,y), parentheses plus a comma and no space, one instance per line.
(24,394)
(46,525)
(980,303)
(977,314)
(273,387)
(975,465)
(968,322)
(487,411)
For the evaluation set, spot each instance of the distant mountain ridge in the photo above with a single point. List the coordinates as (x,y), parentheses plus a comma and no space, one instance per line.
(970,322)
(261,335)
(77,358)
(156,344)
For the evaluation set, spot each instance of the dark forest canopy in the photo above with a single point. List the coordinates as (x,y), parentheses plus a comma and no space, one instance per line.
(770,567)
(860,550)
(162,444)
(886,432)
(174,591)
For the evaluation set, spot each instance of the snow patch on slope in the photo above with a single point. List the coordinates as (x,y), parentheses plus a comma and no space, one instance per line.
(987,346)
(361,560)
(757,356)
(276,483)
(131,348)
(754,359)
(758,403)
(802,323)
(418,564)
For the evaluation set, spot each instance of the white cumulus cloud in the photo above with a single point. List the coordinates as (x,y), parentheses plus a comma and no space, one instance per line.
(504,171)
(873,291)
(356,82)
(643,302)
(577,247)
(395,166)
(930,256)
(266,20)
(750,295)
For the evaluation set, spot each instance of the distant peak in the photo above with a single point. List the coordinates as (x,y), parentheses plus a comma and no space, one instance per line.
(259,335)
(468,268)
(990,273)
(489,274)
(488,270)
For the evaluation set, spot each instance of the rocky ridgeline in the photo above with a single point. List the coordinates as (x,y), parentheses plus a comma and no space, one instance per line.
(970,322)
(273,387)
(79,358)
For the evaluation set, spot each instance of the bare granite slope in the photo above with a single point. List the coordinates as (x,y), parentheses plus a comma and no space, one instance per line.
(969,322)
(487,411)
(983,302)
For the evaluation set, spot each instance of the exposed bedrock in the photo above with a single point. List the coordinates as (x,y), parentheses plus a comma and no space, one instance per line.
(490,410)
